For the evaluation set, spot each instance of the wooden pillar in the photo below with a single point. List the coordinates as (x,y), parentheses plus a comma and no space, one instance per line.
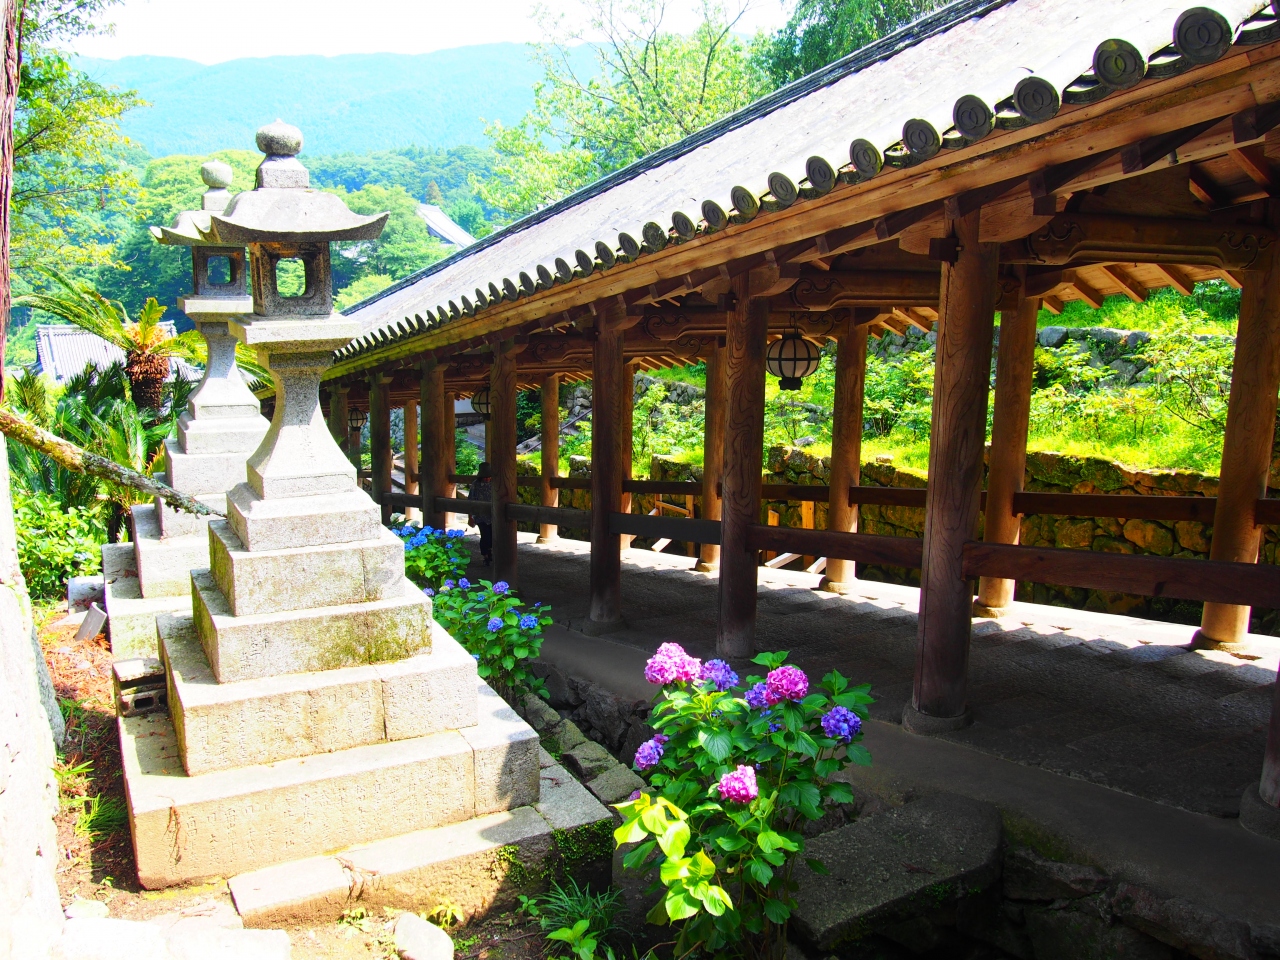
(846,446)
(967,302)
(1015,364)
(380,441)
(626,422)
(437,450)
(338,414)
(450,451)
(1247,445)
(608,376)
(411,447)
(501,433)
(713,451)
(745,348)
(550,451)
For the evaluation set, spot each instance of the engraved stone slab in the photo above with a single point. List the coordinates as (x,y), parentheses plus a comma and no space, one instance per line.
(199,473)
(301,521)
(164,564)
(301,578)
(299,641)
(430,692)
(506,756)
(230,821)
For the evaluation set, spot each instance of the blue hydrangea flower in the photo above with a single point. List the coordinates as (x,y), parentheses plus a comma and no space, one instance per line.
(528,621)
(464,583)
(650,752)
(538,604)
(476,657)
(719,673)
(449,585)
(841,723)
(456,533)
(407,531)
(501,587)
(428,531)
(756,696)
(494,624)
(428,591)
(775,727)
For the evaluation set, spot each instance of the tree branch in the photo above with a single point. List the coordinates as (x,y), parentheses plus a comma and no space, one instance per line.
(71,457)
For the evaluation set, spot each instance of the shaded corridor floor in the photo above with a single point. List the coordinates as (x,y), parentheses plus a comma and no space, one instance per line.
(1111,700)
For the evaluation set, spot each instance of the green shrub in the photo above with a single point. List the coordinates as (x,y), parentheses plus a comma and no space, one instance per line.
(433,556)
(495,628)
(55,544)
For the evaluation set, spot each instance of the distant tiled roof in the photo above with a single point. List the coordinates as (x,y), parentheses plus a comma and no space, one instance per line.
(441,226)
(63,350)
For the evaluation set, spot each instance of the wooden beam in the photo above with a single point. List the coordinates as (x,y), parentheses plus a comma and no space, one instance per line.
(1086,292)
(713,451)
(1253,161)
(1144,153)
(1015,362)
(1150,576)
(670,528)
(1129,286)
(1204,189)
(1230,278)
(550,451)
(970,200)
(1105,238)
(821,291)
(836,242)
(846,447)
(961,373)
(1255,122)
(1047,182)
(437,442)
(1177,278)
(1247,446)
(892,224)
(501,435)
(858,547)
(743,450)
(1052,304)
(608,375)
(1167,509)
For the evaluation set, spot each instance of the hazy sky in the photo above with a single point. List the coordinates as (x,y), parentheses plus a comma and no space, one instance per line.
(229,29)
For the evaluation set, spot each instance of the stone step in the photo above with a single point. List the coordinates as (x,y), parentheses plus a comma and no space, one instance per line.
(131,618)
(164,564)
(225,725)
(478,865)
(230,821)
(299,641)
(890,872)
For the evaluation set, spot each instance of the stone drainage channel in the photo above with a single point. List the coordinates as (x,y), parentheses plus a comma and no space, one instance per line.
(940,875)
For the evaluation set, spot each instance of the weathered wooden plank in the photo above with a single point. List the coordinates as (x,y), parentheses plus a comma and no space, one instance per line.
(670,528)
(1169,509)
(549,516)
(857,547)
(1149,576)
(481,508)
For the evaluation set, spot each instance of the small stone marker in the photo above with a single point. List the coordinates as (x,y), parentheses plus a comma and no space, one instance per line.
(86,910)
(418,940)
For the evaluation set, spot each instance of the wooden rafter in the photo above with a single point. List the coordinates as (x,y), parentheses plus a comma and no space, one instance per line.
(1127,284)
(1177,278)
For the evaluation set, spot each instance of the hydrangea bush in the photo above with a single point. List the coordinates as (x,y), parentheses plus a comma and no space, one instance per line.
(735,768)
(433,555)
(496,628)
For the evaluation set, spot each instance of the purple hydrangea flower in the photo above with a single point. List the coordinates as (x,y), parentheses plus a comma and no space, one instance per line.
(494,624)
(775,727)
(464,583)
(428,591)
(739,786)
(786,683)
(719,673)
(841,723)
(528,621)
(501,587)
(671,665)
(635,795)
(448,585)
(757,696)
(649,753)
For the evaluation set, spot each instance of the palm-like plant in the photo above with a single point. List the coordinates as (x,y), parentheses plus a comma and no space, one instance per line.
(147,346)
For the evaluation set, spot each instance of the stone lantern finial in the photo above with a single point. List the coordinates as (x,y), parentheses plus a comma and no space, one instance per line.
(282,143)
(217,177)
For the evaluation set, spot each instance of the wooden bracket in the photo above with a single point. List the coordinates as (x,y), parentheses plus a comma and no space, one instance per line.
(1138,156)
(1046,183)
(965,203)
(1255,122)
(892,224)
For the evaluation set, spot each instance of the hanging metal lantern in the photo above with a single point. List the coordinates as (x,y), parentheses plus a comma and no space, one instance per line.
(356,419)
(791,359)
(480,402)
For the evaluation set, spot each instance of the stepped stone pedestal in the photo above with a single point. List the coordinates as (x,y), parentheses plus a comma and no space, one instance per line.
(313,702)
(220,428)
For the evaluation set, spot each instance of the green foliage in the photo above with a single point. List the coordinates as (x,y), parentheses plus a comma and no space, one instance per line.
(706,840)
(662,428)
(101,816)
(1214,304)
(820,32)
(433,556)
(466,455)
(899,394)
(404,247)
(55,544)
(577,917)
(1190,377)
(528,414)
(362,289)
(492,624)
(651,88)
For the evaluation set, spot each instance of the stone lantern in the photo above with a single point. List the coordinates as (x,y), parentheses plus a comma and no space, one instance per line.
(220,427)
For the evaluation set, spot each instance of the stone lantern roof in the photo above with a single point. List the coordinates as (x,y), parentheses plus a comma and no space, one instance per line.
(283,208)
(191,227)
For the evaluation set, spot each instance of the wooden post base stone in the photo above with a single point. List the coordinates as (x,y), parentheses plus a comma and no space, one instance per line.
(923,725)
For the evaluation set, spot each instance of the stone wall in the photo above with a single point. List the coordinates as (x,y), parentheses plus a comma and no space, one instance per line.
(30,911)
(1060,474)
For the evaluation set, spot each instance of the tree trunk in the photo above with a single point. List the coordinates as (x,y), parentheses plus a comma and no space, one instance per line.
(12,27)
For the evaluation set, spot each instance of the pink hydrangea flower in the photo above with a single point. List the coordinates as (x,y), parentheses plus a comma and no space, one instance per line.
(672,665)
(786,683)
(739,785)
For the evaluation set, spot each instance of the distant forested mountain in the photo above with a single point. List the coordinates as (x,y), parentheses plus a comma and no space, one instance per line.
(354,103)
